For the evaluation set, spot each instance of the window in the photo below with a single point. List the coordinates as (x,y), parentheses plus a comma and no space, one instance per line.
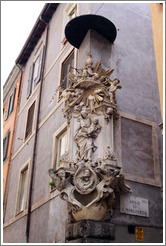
(35,73)
(71,11)
(22,189)
(10,105)
(30,120)
(72,14)
(69,14)
(67,66)
(61,147)
(5,145)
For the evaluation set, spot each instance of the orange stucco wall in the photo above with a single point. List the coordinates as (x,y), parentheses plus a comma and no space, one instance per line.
(157,25)
(9,124)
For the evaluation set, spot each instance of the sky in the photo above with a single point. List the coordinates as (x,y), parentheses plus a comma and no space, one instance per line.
(17,21)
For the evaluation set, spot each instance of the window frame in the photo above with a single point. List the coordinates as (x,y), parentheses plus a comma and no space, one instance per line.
(70,51)
(59,147)
(64,62)
(66,13)
(156,181)
(32,82)
(24,167)
(73,9)
(55,147)
(10,104)
(26,136)
(6,144)
(36,70)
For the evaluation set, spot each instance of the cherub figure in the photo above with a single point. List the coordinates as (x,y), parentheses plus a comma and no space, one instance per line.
(112,88)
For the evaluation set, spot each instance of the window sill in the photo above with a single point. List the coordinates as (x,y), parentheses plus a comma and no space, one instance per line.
(54,189)
(27,137)
(20,212)
(64,41)
(6,159)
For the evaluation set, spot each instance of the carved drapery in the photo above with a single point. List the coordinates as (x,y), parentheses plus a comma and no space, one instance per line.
(87,182)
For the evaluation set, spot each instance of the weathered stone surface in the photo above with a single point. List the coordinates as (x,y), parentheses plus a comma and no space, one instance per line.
(89,240)
(87,229)
(94,212)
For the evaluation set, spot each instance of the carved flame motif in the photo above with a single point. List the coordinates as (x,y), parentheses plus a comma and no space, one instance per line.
(89,184)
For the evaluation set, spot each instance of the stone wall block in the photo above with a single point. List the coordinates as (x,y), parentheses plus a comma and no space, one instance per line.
(88,229)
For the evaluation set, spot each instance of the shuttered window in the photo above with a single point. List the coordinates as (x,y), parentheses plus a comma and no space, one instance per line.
(39,66)
(30,81)
(12,102)
(7,109)
(10,105)
(35,73)
(30,120)
(36,69)
(5,145)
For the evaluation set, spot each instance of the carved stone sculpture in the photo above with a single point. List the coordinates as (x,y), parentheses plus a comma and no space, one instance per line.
(112,88)
(85,135)
(92,87)
(89,187)
(87,182)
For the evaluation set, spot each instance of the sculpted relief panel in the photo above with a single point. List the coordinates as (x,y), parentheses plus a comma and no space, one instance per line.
(91,88)
(89,179)
(86,133)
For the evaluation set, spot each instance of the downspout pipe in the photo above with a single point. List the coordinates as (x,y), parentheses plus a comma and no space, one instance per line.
(35,140)
(11,150)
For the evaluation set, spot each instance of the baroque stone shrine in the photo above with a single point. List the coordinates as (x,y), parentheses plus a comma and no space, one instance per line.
(89,174)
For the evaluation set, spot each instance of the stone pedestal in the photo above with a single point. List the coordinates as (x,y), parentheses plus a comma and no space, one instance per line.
(89,231)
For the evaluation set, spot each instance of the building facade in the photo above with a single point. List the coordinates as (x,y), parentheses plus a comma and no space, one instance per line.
(11,92)
(35,213)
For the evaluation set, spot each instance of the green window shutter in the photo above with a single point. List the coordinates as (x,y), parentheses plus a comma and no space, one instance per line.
(12,101)
(40,65)
(30,81)
(5,145)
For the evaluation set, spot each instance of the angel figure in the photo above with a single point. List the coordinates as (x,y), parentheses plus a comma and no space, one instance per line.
(112,88)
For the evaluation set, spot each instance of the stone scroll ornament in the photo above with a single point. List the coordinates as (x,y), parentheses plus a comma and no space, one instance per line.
(89,185)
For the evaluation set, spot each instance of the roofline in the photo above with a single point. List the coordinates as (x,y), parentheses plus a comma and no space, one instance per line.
(39,27)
